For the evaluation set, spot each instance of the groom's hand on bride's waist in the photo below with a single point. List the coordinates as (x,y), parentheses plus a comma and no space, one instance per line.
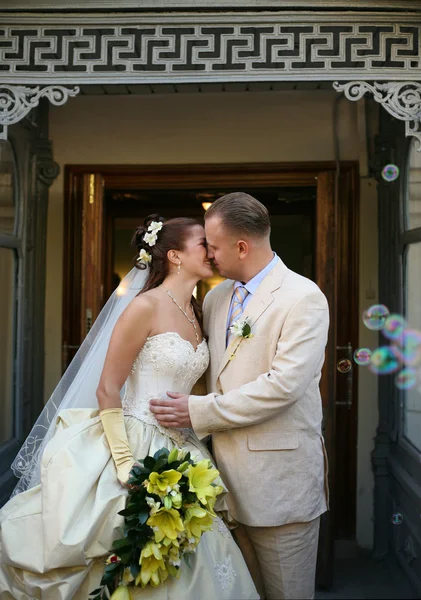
(172,412)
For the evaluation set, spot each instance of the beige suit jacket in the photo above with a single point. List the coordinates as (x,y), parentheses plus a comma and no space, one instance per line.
(264,408)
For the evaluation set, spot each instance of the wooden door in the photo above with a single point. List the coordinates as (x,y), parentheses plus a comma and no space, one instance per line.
(83,259)
(326,269)
(336,274)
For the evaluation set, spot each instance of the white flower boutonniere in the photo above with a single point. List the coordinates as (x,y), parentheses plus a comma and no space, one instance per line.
(242,329)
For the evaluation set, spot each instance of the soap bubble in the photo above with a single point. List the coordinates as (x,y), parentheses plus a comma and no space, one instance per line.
(344,365)
(397,519)
(385,360)
(390,172)
(410,347)
(393,327)
(375,317)
(362,356)
(406,379)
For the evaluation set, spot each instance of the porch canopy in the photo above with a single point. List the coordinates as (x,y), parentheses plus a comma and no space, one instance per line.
(168,46)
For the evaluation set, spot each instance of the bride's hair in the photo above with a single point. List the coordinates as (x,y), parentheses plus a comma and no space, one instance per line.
(172,236)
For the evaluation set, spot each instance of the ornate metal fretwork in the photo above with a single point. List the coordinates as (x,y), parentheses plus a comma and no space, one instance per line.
(177,49)
(16,101)
(402,100)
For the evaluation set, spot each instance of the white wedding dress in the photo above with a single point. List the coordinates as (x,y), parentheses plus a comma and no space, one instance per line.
(54,537)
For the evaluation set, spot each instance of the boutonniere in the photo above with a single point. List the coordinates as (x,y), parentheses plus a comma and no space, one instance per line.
(241,329)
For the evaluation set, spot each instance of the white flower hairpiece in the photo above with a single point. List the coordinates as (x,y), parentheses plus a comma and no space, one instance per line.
(145,256)
(155,226)
(151,235)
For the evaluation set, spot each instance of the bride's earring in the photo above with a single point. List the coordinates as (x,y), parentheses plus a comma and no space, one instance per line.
(179,268)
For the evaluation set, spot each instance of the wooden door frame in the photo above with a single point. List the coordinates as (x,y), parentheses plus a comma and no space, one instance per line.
(243,175)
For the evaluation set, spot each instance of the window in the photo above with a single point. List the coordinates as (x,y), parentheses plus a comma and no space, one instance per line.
(412,295)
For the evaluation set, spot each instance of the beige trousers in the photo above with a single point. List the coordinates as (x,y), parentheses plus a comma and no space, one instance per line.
(281,560)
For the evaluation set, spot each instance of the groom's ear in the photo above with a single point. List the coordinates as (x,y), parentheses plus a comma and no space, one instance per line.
(243,249)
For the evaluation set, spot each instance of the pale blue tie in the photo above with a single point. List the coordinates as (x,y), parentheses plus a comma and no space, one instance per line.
(240,294)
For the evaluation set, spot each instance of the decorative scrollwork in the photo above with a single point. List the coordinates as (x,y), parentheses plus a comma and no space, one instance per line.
(401,99)
(16,101)
(47,169)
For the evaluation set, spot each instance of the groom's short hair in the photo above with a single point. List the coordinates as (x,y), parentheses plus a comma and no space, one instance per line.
(241,213)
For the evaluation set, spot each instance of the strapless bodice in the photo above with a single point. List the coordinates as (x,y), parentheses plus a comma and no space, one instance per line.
(167,362)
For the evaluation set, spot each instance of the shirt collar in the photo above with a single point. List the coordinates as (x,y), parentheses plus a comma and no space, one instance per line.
(252,285)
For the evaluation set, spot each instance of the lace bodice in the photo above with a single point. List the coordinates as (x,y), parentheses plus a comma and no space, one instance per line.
(167,362)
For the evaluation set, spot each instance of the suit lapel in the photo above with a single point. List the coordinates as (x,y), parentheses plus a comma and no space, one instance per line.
(221,316)
(257,305)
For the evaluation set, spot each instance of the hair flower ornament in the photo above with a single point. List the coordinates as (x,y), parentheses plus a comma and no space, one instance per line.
(155,226)
(144,256)
(151,235)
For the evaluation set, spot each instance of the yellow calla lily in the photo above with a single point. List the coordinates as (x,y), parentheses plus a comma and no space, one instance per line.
(121,593)
(210,504)
(169,523)
(160,482)
(200,478)
(127,576)
(197,520)
(151,571)
(152,549)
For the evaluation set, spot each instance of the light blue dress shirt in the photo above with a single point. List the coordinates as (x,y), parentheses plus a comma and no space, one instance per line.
(252,285)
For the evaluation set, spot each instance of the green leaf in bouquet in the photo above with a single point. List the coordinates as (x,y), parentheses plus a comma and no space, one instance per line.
(135,570)
(163,452)
(126,558)
(161,464)
(143,517)
(112,568)
(138,470)
(190,497)
(117,544)
(149,463)
(108,578)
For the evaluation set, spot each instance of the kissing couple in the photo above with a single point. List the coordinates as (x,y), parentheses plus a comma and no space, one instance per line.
(127,394)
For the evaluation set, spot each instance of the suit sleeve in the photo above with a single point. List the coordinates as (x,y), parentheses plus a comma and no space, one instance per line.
(298,359)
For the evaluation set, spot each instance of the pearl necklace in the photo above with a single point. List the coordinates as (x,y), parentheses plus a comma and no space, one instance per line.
(192,321)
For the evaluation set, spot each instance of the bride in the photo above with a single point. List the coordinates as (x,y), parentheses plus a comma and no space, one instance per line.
(57,529)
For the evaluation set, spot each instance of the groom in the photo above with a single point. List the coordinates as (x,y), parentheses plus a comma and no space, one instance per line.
(264,408)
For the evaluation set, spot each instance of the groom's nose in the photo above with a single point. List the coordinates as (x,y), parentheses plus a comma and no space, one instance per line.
(210,254)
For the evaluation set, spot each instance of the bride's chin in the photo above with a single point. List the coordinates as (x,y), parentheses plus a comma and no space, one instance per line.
(207,272)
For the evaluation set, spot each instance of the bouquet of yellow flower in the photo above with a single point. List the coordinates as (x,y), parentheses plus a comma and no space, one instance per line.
(170,504)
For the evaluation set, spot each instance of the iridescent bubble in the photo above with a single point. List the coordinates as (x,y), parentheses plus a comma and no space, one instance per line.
(385,360)
(362,356)
(344,365)
(375,316)
(394,326)
(397,519)
(406,379)
(390,172)
(410,347)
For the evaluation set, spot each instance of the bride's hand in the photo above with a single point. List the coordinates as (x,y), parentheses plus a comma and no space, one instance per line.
(123,472)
